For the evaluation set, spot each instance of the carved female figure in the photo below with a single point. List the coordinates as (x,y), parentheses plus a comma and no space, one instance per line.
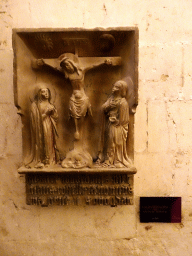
(43,131)
(116,111)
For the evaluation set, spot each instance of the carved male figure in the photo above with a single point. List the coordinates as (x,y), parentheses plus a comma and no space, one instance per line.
(43,118)
(79,103)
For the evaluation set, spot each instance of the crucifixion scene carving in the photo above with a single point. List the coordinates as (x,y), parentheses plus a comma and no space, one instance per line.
(76,92)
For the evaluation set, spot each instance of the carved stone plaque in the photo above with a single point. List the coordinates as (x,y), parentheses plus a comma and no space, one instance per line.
(76,92)
(79,189)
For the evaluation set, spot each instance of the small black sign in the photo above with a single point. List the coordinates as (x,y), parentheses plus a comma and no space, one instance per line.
(160,209)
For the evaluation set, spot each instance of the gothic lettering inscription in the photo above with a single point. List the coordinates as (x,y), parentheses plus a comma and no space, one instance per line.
(79,189)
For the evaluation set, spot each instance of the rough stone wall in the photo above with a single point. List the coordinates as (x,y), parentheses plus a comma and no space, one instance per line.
(163,138)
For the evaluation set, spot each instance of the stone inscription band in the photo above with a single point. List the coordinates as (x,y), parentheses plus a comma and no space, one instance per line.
(79,189)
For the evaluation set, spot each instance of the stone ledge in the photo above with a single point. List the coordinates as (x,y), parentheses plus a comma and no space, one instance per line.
(59,169)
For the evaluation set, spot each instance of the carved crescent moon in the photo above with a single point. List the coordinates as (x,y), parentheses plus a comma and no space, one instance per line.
(107,42)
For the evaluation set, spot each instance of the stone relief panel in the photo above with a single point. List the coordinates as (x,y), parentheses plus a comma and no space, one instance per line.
(76,92)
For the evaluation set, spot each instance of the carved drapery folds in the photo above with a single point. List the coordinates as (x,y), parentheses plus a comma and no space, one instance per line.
(43,119)
(115,122)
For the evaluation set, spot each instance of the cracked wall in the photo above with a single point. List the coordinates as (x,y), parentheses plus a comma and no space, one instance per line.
(163,138)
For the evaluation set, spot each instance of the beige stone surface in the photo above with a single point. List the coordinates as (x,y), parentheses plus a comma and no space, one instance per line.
(163,135)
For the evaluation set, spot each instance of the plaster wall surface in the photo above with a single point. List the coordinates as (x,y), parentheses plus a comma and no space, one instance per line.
(163,138)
